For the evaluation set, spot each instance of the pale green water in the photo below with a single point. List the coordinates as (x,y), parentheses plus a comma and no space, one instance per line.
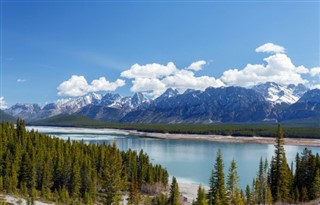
(190,161)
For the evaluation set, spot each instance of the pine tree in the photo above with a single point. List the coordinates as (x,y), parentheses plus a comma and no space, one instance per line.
(174,193)
(316,185)
(280,172)
(75,181)
(248,195)
(216,183)
(112,176)
(201,197)
(232,184)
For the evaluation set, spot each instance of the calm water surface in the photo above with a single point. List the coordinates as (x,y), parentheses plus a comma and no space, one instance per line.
(190,161)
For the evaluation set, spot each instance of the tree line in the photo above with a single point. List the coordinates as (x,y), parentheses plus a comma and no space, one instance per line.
(249,130)
(38,166)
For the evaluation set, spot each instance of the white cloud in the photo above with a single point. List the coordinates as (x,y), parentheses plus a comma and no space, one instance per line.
(196,66)
(78,86)
(153,86)
(317,86)
(270,48)
(314,71)
(153,70)
(184,79)
(21,80)
(3,104)
(155,78)
(278,69)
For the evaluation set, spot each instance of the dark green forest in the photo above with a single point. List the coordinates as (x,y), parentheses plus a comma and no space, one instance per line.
(38,166)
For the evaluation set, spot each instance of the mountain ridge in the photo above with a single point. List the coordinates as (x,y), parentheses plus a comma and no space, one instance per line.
(264,102)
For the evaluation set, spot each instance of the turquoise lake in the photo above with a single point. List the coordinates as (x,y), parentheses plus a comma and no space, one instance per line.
(190,161)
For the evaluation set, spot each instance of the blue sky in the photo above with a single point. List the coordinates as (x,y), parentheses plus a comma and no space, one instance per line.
(44,44)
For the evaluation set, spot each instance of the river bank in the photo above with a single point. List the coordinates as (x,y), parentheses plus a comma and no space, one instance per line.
(231,139)
(177,136)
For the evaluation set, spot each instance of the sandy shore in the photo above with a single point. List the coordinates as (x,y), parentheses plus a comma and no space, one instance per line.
(231,139)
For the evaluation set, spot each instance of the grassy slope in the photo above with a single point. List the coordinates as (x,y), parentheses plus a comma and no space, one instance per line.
(68,121)
(6,117)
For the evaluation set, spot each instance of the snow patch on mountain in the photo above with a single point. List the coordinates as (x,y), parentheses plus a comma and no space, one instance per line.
(71,105)
(279,94)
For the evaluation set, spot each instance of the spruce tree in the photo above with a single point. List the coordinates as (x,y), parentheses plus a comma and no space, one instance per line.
(113,183)
(316,185)
(201,197)
(174,198)
(280,172)
(216,184)
(248,195)
(232,184)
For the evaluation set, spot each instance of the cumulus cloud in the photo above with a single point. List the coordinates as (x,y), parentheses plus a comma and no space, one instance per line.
(278,69)
(196,66)
(184,79)
(314,71)
(270,48)
(78,86)
(153,70)
(21,80)
(152,86)
(3,104)
(155,78)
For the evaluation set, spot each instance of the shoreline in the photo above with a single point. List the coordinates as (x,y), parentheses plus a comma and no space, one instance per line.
(198,137)
(231,139)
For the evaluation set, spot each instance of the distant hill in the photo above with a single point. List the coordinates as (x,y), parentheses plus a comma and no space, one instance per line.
(6,117)
(66,120)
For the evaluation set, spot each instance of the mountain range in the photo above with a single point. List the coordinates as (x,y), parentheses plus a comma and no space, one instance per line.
(264,102)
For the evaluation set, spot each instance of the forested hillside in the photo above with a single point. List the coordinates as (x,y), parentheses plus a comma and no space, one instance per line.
(38,166)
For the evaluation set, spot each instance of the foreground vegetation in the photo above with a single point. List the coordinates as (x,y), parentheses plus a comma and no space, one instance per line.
(274,183)
(248,130)
(35,165)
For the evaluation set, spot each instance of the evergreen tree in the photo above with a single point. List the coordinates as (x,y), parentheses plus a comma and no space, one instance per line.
(113,183)
(248,195)
(174,198)
(232,184)
(201,197)
(75,181)
(280,172)
(316,185)
(216,184)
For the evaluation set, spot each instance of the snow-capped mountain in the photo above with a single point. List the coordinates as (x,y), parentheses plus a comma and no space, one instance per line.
(72,105)
(278,94)
(263,102)
(138,99)
(113,107)
(24,110)
(214,105)
(31,112)
(308,106)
